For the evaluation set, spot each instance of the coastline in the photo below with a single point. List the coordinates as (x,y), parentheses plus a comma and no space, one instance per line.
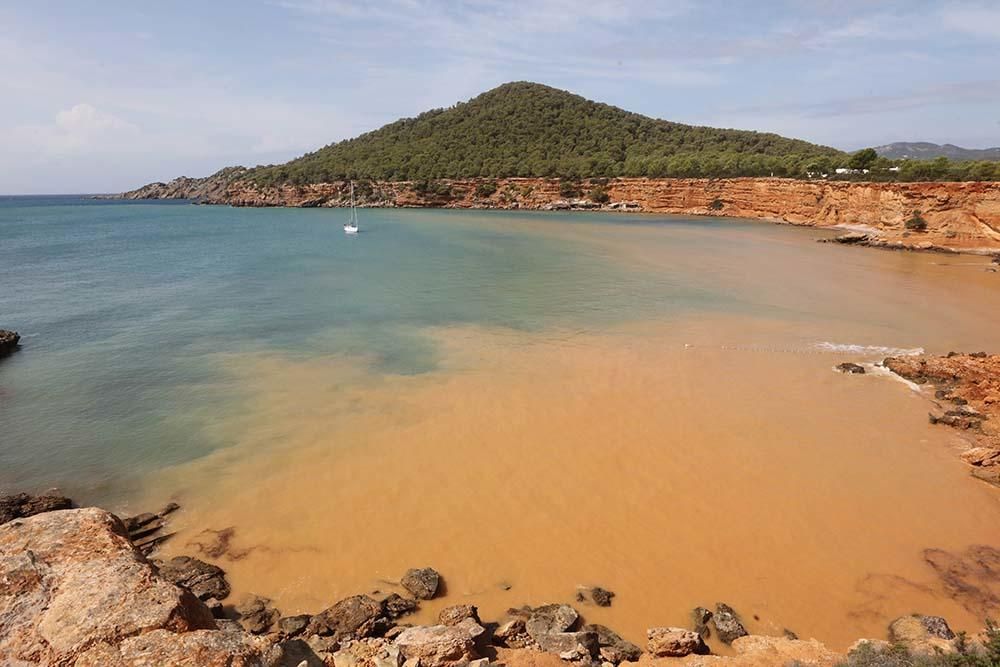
(956,216)
(179,611)
(370,629)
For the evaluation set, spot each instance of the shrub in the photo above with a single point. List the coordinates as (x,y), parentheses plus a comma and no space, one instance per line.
(916,223)
(486,189)
(599,195)
(568,189)
(716,205)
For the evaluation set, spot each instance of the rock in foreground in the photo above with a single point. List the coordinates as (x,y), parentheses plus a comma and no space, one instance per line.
(70,581)
(674,642)
(437,645)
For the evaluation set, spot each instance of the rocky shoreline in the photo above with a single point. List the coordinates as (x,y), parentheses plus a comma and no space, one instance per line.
(966,397)
(77,588)
(955,217)
(83,587)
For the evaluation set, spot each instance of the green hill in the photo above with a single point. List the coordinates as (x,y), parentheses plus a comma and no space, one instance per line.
(527,129)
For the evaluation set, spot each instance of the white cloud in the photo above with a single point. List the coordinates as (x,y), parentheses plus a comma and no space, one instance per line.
(978,20)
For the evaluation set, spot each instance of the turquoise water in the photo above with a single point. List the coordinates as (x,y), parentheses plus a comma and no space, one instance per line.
(125,307)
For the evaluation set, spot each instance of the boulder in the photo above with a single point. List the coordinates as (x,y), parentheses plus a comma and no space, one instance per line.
(699,621)
(257,614)
(594,595)
(575,646)
(367,653)
(203,579)
(550,618)
(611,647)
(396,605)
(21,505)
(291,626)
(981,456)
(728,624)
(8,342)
(674,642)
(201,648)
(71,580)
(472,627)
(513,634)
(848,367)
(422,583)
(436,645)
(763,650)
(922,634)
(455,614)
(355,617)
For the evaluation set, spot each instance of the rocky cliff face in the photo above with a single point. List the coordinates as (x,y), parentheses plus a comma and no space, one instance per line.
(958,216)
(207,188)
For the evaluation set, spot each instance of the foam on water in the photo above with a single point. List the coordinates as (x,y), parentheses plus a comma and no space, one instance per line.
(868,350)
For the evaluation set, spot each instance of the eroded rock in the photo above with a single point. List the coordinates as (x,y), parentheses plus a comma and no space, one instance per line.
(981,456)
(513,634)
(550,618)
(923,634)
(574,646)
(611,647)
(455,614)
(71,580)
(22,505)
(728,624)
(201,648)
(355,617)
(669,642)
(257,614)
(396,605)
(203,579)
(852,368)
(422,583)
(292,626)
(436,645)
(594,595)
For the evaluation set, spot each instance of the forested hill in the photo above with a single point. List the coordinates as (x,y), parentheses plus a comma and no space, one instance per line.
(527,129)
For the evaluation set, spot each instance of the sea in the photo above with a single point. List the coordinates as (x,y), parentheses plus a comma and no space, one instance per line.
(527,401)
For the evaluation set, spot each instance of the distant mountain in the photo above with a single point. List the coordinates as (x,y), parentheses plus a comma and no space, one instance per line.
(527,129)
(923,150)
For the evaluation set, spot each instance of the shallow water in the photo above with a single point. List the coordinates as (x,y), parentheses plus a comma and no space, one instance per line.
(535,400)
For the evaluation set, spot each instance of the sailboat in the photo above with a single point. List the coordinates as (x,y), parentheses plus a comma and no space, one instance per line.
(352,222)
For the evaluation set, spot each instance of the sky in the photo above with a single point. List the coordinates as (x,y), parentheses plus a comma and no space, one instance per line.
(106,96)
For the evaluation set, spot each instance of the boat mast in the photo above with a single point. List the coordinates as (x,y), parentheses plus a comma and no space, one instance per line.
(354,211)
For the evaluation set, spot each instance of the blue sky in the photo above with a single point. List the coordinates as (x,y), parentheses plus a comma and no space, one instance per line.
(109,95)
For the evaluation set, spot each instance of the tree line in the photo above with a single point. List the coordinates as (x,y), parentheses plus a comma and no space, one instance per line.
(530,130)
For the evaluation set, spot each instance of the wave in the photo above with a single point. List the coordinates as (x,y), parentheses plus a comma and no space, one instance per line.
(850,348)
